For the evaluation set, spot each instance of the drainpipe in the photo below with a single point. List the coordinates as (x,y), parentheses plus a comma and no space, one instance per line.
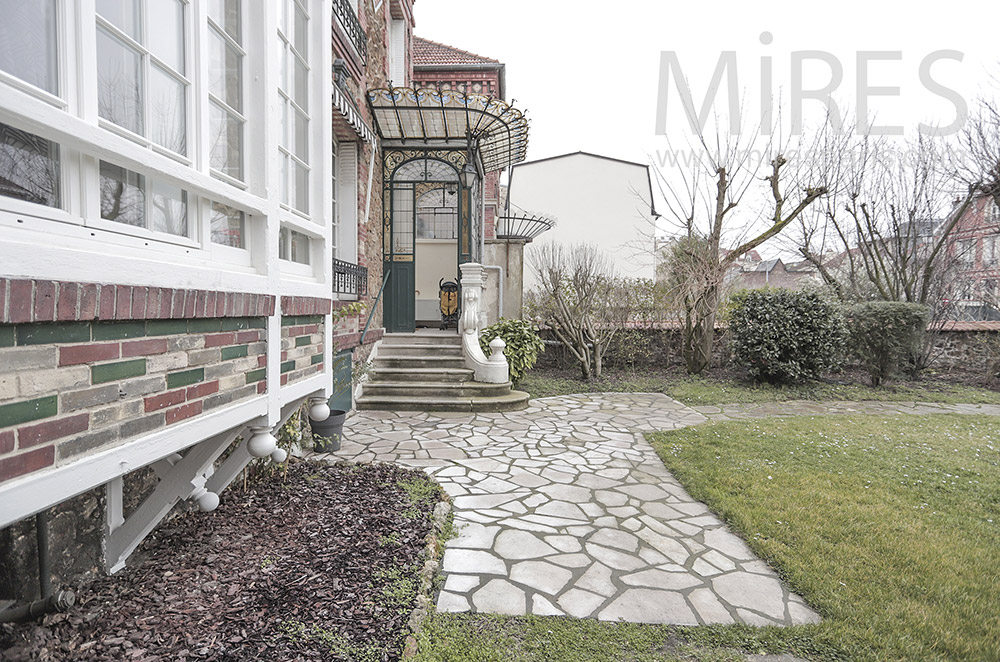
(42,540)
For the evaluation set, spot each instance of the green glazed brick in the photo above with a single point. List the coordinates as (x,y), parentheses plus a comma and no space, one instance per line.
(205,326)
(316,358)
(178,379)
(288,321)
(257,322)
(119,330)
(40,334)
(287,366)
(7,336)
(110,372)
(235,352)
(256,375)
(166,327)
(312,319)
(235,324)
(29,410)
(302,341)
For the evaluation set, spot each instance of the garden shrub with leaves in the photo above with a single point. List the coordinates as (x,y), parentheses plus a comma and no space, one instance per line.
(884,335)
(782,335)
(523,344)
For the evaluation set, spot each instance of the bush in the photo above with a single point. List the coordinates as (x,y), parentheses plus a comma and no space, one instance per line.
(523,345)
(782,336)
(884,335)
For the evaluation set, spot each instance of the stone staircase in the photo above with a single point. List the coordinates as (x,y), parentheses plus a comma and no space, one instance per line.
(426,372)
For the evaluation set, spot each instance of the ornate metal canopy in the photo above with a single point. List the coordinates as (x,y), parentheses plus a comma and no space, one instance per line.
(499,131)
(525,226)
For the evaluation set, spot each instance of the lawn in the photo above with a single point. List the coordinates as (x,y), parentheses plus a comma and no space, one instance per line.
(728,389)
(888,526)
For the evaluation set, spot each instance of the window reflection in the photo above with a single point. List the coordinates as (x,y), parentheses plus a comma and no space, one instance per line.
(29,167)
(28,32)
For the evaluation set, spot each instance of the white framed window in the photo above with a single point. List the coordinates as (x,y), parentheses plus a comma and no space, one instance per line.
(29,168)
(141,202)
(346,231)
(141,64)
(397,53)
(226,116)
(29,35)
(991,251)
(994,213)
(293,89)
(228,225)
(294,246)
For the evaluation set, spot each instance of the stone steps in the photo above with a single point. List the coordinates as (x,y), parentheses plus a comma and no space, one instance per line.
(426,372)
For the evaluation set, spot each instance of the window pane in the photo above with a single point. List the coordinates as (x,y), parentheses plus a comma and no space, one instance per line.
(166,34)
(298,247)
(301,91)
(285,197)
(224,71)
(166,116)
(283,244)
(226,13)
(301,188)
(124,15)
(226,132)
(301,26)
(119,81)
(28,42)
(227,225)
(123,195)
(29,167)
(169,209)
(300,133)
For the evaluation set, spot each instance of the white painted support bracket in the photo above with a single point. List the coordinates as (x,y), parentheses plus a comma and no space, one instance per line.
(493,370)
(242,456)
(181,477)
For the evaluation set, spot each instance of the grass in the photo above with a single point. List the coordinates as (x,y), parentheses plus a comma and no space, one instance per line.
(696,391)
(888,526)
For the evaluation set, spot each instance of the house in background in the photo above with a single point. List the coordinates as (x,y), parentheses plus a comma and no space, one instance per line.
(773,273)
(180,215)
(975,249)
(594,199)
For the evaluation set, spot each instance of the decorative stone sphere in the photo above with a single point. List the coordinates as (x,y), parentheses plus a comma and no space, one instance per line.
(208,502)
(279,455)
(319,411)
(262,443)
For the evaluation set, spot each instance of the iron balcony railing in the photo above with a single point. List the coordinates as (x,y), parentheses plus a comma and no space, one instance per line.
(348,20)
(349,278)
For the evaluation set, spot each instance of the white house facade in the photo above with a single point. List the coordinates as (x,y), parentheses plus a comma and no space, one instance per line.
(594,199)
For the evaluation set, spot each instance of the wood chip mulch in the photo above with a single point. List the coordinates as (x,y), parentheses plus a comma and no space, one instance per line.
(322,565)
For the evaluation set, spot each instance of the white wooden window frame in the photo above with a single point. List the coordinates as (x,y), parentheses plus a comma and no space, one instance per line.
(148,59)
(211,25)
(287,141)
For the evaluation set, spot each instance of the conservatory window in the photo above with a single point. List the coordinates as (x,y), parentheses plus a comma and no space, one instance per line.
(29,167)
(225,85)
(28,33)
(141,67)
(132,199)
(294,94)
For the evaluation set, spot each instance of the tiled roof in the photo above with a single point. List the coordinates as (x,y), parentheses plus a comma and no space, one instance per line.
(427,53)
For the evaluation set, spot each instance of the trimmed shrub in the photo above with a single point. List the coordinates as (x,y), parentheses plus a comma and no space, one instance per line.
(884,335)
(523,344)
(782,335)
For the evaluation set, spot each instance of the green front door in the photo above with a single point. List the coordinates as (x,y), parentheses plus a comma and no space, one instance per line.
(400,297)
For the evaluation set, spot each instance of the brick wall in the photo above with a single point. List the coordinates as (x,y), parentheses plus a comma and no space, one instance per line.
(68,388)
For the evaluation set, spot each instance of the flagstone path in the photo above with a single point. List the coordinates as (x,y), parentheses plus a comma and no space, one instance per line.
(565,509)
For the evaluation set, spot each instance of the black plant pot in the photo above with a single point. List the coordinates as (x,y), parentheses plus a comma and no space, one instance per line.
(327,434)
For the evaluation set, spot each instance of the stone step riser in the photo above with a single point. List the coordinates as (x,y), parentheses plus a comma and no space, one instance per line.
(406,362)
(418,351)
(393,375)
(515,402)
(468,390)
(421,341)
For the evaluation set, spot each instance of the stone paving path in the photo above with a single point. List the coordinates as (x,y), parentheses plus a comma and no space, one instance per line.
(565,509)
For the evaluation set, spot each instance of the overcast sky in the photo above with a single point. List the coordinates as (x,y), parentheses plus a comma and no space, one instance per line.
(588,72)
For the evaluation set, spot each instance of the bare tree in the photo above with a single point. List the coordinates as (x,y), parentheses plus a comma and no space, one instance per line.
(733,172)
(580,300)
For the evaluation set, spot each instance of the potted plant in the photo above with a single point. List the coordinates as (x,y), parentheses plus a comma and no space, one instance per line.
(328,433)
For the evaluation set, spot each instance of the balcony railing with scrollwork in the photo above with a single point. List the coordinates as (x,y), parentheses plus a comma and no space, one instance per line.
(525,226)
(349,278)
(348,20)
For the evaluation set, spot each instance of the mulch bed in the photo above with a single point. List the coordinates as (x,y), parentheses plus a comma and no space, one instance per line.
(320,565)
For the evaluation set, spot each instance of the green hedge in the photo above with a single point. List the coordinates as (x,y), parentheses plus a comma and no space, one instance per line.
(884,335)
(782,335)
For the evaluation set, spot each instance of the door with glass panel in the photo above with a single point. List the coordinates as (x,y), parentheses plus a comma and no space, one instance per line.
(422,247)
